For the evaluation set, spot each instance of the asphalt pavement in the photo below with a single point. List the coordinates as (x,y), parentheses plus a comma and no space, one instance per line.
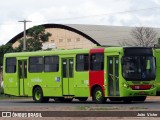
(151,103)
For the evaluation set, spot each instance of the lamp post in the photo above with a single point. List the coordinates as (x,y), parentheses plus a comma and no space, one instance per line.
(24,34)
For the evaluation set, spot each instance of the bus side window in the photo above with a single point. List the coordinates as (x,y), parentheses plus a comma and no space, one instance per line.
(11,65)
(35,64)
(82,62)
(64,69)
(51,63)
(97,61)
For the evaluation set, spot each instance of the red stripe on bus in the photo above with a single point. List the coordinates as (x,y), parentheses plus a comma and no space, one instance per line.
(96,77)
(97,50)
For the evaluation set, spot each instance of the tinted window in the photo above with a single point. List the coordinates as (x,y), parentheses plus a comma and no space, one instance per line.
(97,61)
(64,68)
(82,62)
(138,51)
(139,68)
(35,64)
(71,68)
(10,65)
(51,64)
(22,69)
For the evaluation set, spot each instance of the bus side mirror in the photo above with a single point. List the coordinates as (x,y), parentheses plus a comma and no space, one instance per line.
(148,67)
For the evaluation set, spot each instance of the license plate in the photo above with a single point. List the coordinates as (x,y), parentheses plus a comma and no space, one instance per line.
(141,93)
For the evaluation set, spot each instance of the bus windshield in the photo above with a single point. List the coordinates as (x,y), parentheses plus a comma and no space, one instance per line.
(138,68)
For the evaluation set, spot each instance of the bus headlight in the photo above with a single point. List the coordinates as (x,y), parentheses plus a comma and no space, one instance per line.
(154,85)
(125,85)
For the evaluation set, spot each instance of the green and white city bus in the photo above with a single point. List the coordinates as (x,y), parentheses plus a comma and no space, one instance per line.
(118,73)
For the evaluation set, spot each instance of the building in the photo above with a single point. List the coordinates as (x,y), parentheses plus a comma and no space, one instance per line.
(73,36)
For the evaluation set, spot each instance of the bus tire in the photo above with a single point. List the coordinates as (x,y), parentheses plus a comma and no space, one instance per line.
(98,96)
(139,98)
(38,95)
(83,99)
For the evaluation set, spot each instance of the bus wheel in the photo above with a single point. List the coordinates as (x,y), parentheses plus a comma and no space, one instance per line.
(83,99)
(98,96)
(38,95)
(139,98)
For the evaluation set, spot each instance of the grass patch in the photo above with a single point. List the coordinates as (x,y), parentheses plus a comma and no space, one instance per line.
(104,108)
(83,108)
(137,108)
(87,108)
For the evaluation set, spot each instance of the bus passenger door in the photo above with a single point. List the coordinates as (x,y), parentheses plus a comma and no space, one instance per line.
(67,76)
(113,75)
(22,65)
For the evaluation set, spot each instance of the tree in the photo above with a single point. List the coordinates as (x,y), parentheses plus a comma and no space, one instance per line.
(142,36)
(5,49)
(35,37)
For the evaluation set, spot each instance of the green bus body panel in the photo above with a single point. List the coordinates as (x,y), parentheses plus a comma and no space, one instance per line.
(54,84)
(47,81)
(11,84)
(82,84)
(157,55)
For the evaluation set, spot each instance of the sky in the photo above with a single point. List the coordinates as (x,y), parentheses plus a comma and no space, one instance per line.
(132,13)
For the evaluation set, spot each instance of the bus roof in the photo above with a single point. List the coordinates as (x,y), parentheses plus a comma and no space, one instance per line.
(63,52)
(51,52)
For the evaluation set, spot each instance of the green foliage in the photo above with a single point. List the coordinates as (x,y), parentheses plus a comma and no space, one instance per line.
(35,37)
(5,49)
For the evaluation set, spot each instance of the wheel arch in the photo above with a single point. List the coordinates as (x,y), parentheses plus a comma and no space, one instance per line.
(95,86)
(35,86)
